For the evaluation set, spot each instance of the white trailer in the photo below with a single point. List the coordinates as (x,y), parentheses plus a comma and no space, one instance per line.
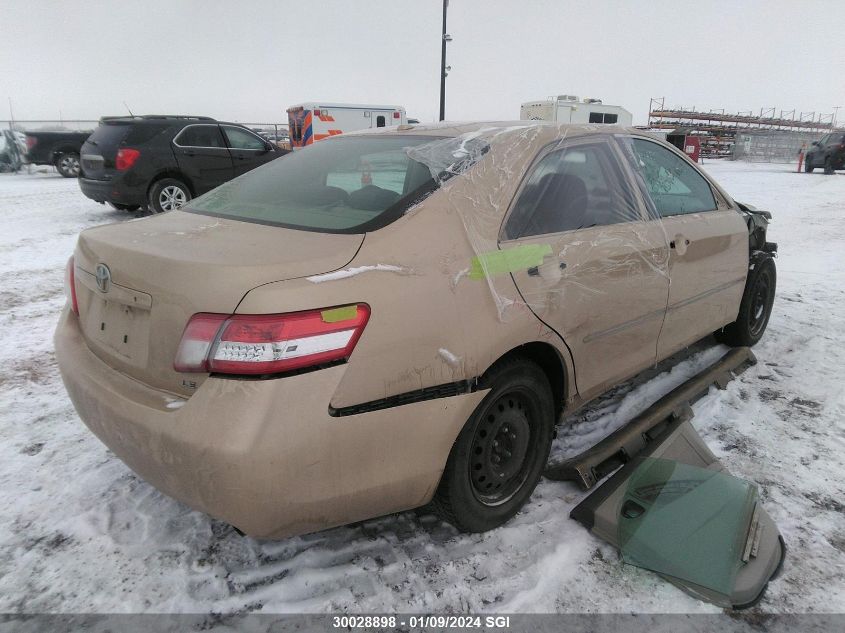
(316,120)
(569,109)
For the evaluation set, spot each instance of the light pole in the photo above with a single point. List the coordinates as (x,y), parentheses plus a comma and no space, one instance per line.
(444,69)
(835,113)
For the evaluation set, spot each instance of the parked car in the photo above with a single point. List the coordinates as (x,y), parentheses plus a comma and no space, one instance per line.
(161,162)
(60,149)
(828,153)
(390,319)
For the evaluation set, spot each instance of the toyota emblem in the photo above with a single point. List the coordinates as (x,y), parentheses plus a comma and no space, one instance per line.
(103,277)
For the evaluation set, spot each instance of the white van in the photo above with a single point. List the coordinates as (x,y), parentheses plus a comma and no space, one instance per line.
(315,120)
(569,109)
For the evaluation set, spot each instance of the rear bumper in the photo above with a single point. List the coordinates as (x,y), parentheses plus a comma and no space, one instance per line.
(265,455)
(114,191)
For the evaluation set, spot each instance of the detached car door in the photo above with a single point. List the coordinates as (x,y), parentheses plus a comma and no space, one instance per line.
(202,156)
(708,244)
(602,284)
(248,150)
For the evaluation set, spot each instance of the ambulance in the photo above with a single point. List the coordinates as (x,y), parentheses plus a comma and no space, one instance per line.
(315,121)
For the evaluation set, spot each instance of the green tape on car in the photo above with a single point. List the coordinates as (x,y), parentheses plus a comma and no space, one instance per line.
(339,314)
(508,260)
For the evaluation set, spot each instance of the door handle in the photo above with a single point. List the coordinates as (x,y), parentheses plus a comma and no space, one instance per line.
(534,271)
(672,243)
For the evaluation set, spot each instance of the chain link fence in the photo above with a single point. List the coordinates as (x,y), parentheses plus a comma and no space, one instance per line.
(771,146)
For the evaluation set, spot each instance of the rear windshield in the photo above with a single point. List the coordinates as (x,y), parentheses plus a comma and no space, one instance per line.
(108,135)
(345,185)
(111,135)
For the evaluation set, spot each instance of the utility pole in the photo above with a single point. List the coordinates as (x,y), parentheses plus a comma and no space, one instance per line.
(445,37)
(835,113)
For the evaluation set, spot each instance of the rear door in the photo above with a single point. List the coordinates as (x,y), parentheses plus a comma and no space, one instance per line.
(248,150)
(202,156)
(708,240)
(602,284)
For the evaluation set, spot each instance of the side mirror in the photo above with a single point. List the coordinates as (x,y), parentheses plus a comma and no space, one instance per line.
(269,146)
(814,143)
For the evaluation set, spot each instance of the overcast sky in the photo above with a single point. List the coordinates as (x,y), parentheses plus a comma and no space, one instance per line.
(248,60)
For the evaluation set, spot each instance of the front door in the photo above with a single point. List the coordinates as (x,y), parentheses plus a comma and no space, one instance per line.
(248,150)
(708,240)
(602,283)
(203,157)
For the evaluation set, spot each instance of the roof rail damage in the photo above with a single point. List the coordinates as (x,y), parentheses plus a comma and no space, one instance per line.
(672,507)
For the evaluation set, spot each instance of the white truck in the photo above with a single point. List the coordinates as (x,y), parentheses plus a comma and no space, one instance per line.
(569,109)
(316,120)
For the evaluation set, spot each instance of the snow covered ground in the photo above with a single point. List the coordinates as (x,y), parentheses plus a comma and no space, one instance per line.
(80,533)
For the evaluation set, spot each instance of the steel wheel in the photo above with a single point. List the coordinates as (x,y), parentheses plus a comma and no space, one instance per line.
(498,467)
(172,197)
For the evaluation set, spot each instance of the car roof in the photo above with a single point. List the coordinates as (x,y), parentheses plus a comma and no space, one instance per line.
(485,129)
(157,119)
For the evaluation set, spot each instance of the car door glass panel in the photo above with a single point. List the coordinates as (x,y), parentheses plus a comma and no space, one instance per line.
(570,189)
(241,139)
(674,185)
(200,136)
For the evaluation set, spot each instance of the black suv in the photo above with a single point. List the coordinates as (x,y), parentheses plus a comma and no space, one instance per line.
(161,162)
(829,152)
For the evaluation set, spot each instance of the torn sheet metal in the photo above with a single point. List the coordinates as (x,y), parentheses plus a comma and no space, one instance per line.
(676,511)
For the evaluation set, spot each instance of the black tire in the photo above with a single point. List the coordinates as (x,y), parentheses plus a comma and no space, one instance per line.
(500,453)
(755,308)
(68,165)
(124,207)
(168,194)
(808,164)
(828,166)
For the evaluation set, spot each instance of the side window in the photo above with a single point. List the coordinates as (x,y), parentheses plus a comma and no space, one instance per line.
(200,136)
(573,188)
(674,185)
(241,139)
(603,117)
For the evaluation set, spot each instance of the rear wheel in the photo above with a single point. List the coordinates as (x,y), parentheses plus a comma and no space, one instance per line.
(756,306)
(168,194)
(68,165)
(497,459)
(828,166)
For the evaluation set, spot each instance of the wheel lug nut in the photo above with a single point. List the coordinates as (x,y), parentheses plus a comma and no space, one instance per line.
(513,436)
(495,443)
(507,453)
(496,459)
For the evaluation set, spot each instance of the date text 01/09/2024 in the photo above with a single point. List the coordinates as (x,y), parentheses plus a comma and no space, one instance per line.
(420,621)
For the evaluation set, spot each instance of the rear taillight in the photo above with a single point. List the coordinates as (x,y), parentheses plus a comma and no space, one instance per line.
(70,286)
(269,343)
(126,157)
(31,142)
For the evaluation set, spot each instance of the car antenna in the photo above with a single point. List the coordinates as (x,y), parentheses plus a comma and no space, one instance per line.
(130,111)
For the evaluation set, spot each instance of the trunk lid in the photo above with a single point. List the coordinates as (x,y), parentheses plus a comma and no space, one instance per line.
(164,269)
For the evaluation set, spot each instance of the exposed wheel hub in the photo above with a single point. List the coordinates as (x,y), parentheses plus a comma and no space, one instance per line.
(499,449)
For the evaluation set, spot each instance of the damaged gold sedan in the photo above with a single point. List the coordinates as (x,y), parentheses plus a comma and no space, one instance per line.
(386,320)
